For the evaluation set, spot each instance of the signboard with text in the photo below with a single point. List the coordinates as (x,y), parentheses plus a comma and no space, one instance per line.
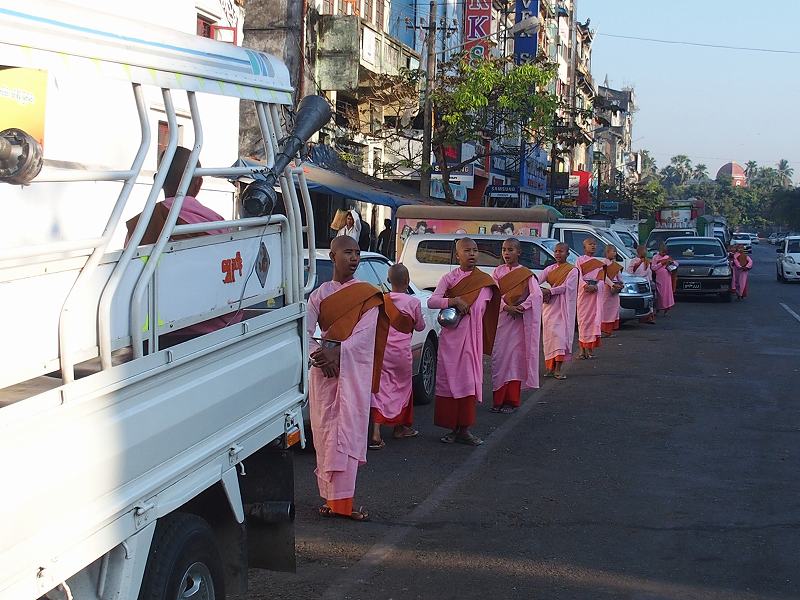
(477,25)
(525,44)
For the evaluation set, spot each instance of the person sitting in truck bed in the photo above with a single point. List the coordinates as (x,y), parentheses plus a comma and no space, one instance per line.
(191,209)
(191,212)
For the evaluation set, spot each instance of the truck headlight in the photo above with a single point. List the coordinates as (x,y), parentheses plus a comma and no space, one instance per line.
(790,260)
(630,288)
(722,271)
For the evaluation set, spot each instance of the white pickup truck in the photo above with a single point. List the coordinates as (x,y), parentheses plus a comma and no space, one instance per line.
(132,468)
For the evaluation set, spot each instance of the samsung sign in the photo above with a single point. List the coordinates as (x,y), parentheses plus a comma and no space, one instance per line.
(525,43)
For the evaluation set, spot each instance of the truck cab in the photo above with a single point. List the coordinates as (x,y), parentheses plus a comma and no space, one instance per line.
(136,464)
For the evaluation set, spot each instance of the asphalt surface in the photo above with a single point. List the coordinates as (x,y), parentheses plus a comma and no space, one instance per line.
(667,468)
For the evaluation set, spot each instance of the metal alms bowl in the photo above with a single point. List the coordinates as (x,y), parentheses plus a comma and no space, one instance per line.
(449,317)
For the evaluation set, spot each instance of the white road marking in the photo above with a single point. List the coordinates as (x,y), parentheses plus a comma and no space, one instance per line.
(361,571)
(790,311)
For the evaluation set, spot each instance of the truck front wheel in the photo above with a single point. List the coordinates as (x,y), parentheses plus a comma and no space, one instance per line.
(183,562)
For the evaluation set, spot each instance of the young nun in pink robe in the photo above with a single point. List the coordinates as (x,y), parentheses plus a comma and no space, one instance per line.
(393,403)
(515,358)
(741,264)
(665,293)
(640,267)
(340,387)
(610,287)
(459,375)
(558,311)
(589,310)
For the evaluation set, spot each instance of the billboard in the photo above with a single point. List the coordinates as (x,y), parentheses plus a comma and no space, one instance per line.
(525,44)
(477,24)
(22,100)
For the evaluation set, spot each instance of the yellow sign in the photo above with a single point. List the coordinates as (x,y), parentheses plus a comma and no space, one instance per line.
(23,94)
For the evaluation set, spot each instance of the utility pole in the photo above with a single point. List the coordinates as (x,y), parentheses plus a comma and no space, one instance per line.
(427,116)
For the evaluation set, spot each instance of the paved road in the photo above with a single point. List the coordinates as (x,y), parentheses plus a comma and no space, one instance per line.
(665,469)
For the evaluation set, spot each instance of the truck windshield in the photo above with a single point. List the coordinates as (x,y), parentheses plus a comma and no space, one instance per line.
(656,238)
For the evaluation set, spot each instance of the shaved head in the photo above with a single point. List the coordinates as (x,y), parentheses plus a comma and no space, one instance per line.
(398,276)
(563,245)
(343,242)
(465,242)
(514,242)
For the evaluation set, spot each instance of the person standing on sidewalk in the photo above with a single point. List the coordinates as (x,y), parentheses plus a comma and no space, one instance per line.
(515,360)
(345,370)
(741,265)
(640,266)
(459,377)
(392,404)
(610,287)
(661,265)
(558,312)
(589,316)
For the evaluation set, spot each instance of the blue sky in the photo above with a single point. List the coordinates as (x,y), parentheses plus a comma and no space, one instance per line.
(713,105)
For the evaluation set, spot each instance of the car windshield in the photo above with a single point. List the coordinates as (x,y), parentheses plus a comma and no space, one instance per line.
(324,271)
(627,239)
(793,246)
(698,249)
(657,238)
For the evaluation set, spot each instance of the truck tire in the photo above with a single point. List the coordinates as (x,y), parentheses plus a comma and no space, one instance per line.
(183,562)
(424,383)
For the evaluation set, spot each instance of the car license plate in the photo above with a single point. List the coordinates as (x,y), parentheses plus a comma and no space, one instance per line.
(691,285)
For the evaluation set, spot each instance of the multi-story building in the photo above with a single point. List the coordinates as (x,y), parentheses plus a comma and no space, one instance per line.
(616,164)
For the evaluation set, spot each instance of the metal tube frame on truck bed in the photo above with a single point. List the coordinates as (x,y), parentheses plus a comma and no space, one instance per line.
(132,453)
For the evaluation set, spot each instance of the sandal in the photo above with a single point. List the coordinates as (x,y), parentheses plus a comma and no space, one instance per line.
(377,445)
(356,515)
(448,438)
(468,439)
(496,409)
(548,374)
(408,433)
(559,376)
(507,410)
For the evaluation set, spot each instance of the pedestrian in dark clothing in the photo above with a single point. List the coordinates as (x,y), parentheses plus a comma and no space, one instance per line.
(365,238)
(385,238)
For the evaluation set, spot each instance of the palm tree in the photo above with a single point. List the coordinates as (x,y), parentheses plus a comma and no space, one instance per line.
(785,173)
(750,170)
(683,167)
(700,171)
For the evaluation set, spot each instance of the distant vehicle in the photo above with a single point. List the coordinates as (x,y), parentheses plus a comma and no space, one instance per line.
(788,262)
(659,236)
(703,267)
(754,238)
(374,269)
(773,238)
(743,239)
(628,239)
(429,257)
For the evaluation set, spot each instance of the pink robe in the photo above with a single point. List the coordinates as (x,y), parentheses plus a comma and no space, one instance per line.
(395,391)
(589,323)
(609,303)
(665,297)
(194,212)
(339,406)
(639,268)
(740,274)
(516,355)
(459,371)
(558,316)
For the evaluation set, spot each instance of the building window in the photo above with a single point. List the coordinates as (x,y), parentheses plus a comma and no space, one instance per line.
(204,27)
(368,10)
(379,7)
(327,7)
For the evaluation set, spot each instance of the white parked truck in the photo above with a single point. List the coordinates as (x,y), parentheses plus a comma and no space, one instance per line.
(133,467)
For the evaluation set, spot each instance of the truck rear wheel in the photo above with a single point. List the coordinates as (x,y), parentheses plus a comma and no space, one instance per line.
(183,562)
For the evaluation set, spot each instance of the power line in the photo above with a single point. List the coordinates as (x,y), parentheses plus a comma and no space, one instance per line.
(702,45)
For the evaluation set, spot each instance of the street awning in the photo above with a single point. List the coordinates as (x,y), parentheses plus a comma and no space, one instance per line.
(335,184)
(353,186)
